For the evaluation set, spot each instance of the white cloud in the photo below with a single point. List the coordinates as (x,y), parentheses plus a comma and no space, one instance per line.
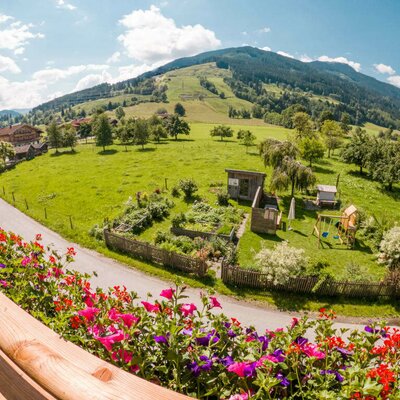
(4,18)
(16,35)
(53,75)
(64,5)
(266,29)
(92,80)
(244,33)
(282,53)
(265,48)
(394,80)
(8,64)
(305,58)
(384,69)
(342,60)
(132,71)
(116,57)
(150,37)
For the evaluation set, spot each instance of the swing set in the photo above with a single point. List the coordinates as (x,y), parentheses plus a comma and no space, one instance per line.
(344,229)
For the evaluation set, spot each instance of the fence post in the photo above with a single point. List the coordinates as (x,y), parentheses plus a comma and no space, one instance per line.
(26,203)
(13,197)
(4,191)
(70,222)
(166,183)
(45,213)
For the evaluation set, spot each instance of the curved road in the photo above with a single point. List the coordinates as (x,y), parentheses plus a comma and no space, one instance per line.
(110,273)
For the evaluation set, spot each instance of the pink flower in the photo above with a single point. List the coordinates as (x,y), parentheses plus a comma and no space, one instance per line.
(311,350)
(96,330)
(89,313)
(238,368)
(122,355)
(167,293)
(214,302)
(188,309)
(3,283)
(108,341)
(25,261)
(151,307)
(127,319)
(295,322)
(242,396)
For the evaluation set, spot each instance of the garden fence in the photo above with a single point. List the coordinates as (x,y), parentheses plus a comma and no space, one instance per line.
(241,277)
(205,235)
(154,254)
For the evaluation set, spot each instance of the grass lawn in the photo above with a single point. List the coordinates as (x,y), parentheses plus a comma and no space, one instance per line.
(91,186)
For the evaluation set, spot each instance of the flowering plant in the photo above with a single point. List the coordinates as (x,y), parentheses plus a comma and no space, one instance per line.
(193,350)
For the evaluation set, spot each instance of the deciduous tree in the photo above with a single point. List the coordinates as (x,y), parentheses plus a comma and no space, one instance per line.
(333,134)
(176,126)
(101,128)
(311,149)
(357,150)
(222,131)
(54,136)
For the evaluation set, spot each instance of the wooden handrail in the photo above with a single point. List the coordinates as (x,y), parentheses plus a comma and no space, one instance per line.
(49,367)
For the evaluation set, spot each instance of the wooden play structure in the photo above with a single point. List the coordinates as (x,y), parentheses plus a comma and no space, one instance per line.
(244,184)
(342,228)
(265,214)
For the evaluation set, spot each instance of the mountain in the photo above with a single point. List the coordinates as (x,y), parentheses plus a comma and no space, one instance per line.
(337,88)
(12,113)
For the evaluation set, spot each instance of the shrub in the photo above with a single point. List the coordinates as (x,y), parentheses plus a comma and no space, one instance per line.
(390,248)
(188,187)
(178,220)
(175,191)
(281,263)
(223,198)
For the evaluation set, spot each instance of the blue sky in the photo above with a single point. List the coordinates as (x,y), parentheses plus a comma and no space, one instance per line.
(53,47)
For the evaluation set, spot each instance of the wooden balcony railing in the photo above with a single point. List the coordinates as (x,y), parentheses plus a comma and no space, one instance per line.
(36,364)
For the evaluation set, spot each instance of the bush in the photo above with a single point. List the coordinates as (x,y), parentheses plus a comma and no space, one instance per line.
(178,220)
(188,187)
(281,263)
(175,191)
(223,198)
(390,248)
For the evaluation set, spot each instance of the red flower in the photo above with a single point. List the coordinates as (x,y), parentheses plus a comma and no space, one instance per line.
(75,322)
(38,237)
(214,302)
(71,251)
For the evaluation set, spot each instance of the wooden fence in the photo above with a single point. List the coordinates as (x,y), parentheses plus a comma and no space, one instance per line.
(205,235)
(148,252)
(241,277)
(36,364)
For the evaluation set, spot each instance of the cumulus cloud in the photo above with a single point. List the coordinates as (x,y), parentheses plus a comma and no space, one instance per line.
(53,75)
(265,48)
(342,60)
(116,57)
(92,80)
(384,69)
(305,58)
(150,37)
(64,5)
(16,35)
(394,80)
(7,64)
(282,53)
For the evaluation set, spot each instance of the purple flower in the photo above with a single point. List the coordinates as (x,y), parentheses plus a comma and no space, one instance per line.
(369,329)
(344,352)
(194,367)
(250,369)
(339,377)
(231,334)
(301,341)
(187,332)
(161,339)
(205,340)
(284,381)
(277,356)
(207,363)
(2,266)
(228,360)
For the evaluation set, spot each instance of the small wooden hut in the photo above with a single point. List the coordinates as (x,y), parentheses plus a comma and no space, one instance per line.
(326,195)
(244,184)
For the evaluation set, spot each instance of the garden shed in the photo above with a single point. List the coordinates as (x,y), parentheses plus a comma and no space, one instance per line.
(244,184)
(326,195)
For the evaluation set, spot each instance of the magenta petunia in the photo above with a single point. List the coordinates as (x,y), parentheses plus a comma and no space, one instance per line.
(311,350)
(188,309)
(122,355)
(108,341)
(127,319)
(151,307)
(167,293)
(89,313)
(214,302)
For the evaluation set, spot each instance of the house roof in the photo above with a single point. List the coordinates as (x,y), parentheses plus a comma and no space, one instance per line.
(11,129)
(38,146)
(77,122)
(22,149)
(240,171)
(327,188)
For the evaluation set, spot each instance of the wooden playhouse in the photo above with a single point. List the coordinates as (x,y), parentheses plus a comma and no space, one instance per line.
(243,185)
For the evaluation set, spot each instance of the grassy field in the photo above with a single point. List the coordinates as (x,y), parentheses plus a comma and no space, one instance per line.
(90,186)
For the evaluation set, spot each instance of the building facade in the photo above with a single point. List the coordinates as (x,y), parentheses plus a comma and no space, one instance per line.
(20,135)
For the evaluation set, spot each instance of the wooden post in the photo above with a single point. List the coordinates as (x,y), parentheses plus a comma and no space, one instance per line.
(13,196)
(70,222)
(4,191)
(26,203)
(166,183)
(45,213)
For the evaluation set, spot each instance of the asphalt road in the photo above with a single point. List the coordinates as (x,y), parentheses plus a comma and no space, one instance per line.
(110,273)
